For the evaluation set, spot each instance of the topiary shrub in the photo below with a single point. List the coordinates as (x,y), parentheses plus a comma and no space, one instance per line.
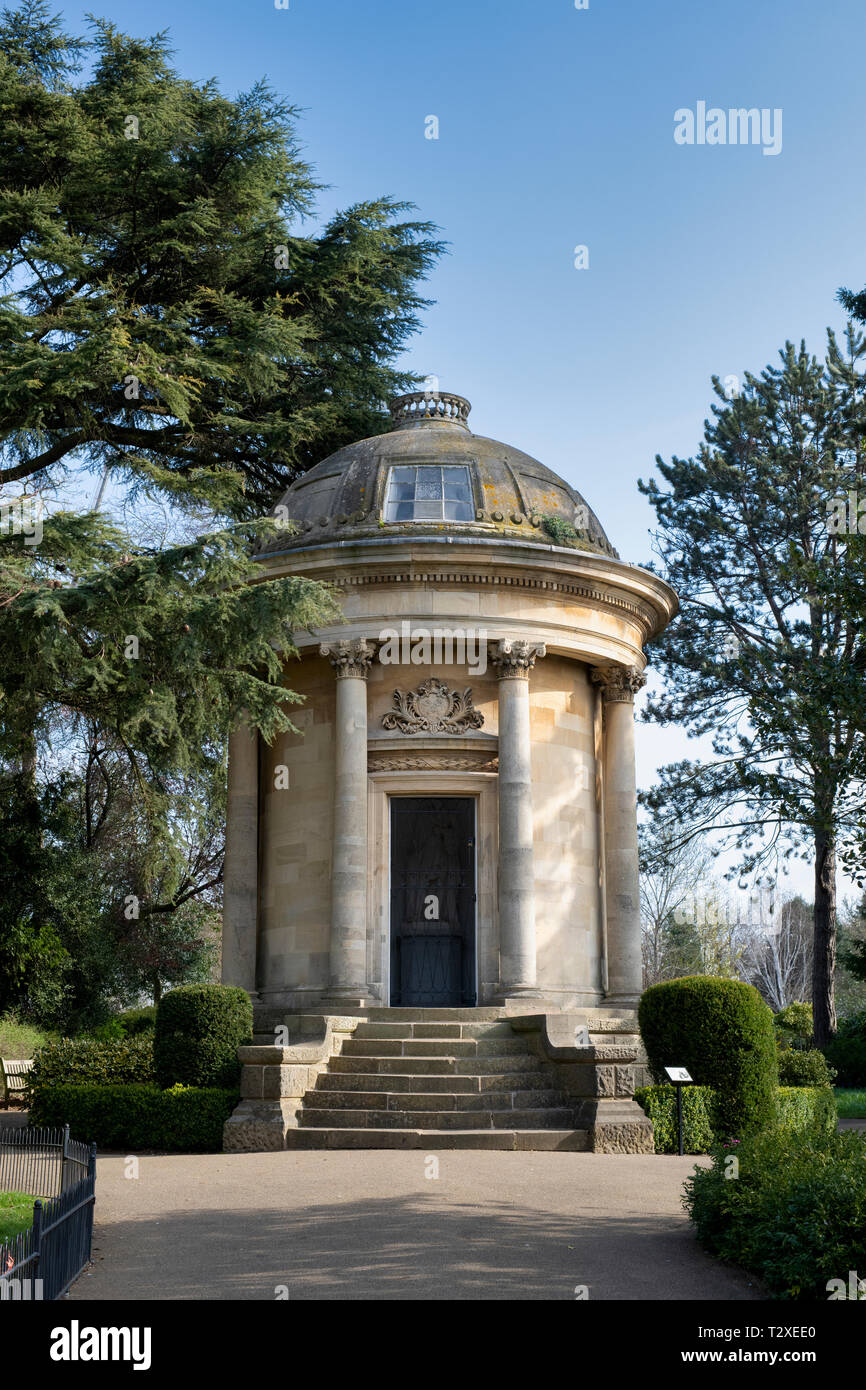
(659,1103)
(199,1029)
(181,1120)
(722,1031)
(804,1069)
(85,1061)
(847,1051)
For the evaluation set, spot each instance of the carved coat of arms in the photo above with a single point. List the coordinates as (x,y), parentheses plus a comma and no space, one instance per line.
(433,709)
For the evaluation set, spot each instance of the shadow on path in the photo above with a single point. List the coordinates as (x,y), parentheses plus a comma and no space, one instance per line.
(395,1248)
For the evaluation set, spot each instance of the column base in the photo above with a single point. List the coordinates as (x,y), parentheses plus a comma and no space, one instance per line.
(519,994)
(348,997)
(621,1001)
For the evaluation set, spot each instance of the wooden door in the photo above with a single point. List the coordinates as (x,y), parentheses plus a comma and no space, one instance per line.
(433,901)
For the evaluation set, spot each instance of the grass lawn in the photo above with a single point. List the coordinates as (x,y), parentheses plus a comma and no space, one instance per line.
(851,1105)
(16,1213)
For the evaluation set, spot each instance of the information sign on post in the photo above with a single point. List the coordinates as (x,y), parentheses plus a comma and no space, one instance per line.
(679,1077)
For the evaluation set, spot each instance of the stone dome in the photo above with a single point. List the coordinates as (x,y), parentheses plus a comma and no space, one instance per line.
(454,480)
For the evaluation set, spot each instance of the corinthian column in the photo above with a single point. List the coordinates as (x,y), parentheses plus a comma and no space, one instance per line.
(241,868)
(348,952)
(619,685)
(517,964)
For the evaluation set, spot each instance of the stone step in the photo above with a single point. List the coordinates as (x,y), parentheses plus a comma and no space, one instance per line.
(547,1140)
(433,1066)
(434,1047)
(408,1015)
(388,1082)
(407,1031)
(462,1101)
(445,1120)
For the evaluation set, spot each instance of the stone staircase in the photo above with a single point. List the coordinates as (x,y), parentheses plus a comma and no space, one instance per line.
(449,1081)
(406,1078)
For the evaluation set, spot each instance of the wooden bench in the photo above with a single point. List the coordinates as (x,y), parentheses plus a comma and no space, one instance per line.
(14,1078)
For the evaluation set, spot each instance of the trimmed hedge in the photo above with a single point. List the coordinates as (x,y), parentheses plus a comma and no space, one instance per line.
(199,1029)
(807,1108)
(804,1069)
(795,1215)
(139,1117)
(84,1061)
(660,1105)
(722,1031)
(847,1051)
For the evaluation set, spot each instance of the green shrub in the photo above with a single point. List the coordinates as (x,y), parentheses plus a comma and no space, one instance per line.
(109,1031)
(139,1117)
(136,1021)
(794,1214)
(660,1105)
(84,1061)
(804,1069)
(199,1029)
(794,1025)
(847,1051)
(806,1108)
(722,1031)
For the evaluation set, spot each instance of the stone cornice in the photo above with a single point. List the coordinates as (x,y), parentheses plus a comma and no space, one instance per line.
(598,579)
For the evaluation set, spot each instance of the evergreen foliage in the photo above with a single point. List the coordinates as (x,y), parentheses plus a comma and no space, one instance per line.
(722,1032)
(769,653)
(199,1029)
(164,315)
(170,324)
(795,1215)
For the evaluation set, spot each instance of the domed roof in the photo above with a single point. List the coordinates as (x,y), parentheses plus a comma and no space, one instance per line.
(430,453)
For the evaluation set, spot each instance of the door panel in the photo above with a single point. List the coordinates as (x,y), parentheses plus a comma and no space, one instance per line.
(433,901)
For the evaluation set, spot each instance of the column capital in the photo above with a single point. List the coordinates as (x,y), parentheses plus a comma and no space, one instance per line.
(619,684)
(516,657)
(350,658)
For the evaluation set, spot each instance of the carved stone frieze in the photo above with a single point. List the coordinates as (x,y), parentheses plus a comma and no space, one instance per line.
(470,761)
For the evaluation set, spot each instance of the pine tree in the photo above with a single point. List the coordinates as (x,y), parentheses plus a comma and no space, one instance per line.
(769,653)
(162,314)
(168,324)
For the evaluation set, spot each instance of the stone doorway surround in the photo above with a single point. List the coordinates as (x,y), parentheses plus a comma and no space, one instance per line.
(411,782)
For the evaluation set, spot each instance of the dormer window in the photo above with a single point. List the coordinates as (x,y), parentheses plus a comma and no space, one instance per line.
(429,493)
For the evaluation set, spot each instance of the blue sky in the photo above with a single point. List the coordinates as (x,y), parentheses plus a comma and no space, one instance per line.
(556,129)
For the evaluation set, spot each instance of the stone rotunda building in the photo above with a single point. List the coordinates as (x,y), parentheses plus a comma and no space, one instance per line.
(441,866)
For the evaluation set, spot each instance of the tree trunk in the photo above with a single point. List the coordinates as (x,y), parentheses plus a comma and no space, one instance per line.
(824,960)
(157,990)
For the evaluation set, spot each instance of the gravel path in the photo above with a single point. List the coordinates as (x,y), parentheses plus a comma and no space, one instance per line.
(379,1225)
